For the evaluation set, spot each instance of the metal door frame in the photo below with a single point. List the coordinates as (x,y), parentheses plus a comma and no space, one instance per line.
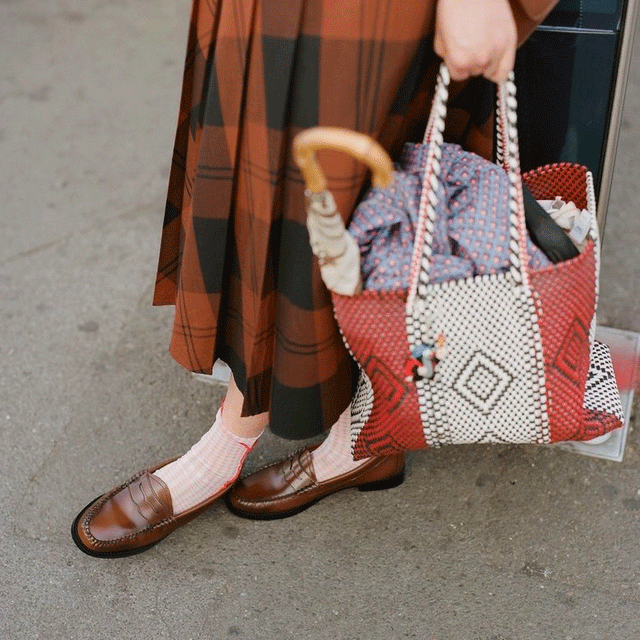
(613,130)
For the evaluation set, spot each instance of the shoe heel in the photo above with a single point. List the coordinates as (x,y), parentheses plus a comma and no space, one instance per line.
(387,483)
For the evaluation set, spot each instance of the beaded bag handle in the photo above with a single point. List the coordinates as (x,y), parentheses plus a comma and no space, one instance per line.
(507,153)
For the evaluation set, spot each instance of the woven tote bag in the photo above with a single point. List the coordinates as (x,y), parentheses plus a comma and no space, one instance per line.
(508,357)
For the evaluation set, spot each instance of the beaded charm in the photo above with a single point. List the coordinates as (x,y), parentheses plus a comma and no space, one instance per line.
(424,360)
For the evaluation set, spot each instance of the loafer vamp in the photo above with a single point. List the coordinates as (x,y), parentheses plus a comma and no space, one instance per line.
(135,515)
(141,505)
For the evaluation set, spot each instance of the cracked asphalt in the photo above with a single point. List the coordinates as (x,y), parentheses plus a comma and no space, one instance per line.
(479,543)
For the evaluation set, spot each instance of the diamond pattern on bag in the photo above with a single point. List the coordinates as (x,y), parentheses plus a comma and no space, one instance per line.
(390,387)
(569,360)
(482,382)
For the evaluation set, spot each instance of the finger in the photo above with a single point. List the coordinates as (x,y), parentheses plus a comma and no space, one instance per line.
(481,64)
(510,61)
(461,65)
(457,73)
(493,69)
(505,66)
(508,58)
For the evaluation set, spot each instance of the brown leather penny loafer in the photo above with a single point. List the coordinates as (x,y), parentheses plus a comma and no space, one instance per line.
(287,487)
(132,518)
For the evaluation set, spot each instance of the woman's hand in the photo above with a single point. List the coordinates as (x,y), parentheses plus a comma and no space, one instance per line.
(476,38)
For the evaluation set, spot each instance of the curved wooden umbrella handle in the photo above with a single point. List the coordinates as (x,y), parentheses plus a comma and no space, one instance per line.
(357,145)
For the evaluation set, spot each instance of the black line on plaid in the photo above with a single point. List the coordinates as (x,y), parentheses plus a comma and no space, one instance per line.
(308,348)
(376,86)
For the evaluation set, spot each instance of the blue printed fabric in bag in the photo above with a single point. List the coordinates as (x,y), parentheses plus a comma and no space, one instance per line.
(472,221)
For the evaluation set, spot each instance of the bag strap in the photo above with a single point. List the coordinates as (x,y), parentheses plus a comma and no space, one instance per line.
(507,152)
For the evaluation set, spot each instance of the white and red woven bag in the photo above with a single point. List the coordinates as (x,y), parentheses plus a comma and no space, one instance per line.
(511,356)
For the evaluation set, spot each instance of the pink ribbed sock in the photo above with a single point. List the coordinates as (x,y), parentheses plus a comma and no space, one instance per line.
(333,457)
(213,463)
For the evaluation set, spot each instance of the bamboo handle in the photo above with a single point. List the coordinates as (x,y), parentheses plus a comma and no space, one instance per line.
(357,145)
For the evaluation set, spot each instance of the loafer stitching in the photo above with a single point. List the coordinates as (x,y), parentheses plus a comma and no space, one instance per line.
(105,543)
(100,502)
(86,522)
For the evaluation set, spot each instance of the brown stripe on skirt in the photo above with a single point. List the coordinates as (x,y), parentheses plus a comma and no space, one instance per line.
(235,257)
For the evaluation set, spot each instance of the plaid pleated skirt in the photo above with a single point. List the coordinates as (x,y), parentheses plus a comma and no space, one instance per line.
(235,258)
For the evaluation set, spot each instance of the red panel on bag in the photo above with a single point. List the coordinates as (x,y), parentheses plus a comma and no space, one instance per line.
(373,324)
(565,301)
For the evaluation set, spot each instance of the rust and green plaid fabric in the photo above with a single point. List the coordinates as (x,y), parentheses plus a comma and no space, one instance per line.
(235,257)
